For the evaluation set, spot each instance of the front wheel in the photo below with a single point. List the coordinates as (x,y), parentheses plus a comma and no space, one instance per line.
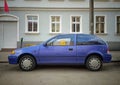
(94,63)
(27,63)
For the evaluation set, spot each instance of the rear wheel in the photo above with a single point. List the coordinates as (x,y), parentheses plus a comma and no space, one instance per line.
(27,63)
(94,63)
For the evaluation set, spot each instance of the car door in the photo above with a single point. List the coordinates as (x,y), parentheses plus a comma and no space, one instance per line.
(83,46)
(60,49)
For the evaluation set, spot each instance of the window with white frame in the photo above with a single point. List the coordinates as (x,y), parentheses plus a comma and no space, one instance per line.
(75,24)
(100,24)
(55,24)
(118,24)
(32,24)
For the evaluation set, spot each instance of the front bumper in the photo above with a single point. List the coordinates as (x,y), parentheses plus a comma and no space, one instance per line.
(13,59)
(107,58)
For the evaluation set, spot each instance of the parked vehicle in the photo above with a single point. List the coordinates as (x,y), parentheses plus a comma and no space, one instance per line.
(83,49)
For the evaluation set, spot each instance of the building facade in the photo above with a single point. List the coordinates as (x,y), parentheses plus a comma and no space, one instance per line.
(37,20)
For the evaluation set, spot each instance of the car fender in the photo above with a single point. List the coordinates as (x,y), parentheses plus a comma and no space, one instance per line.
(33,52)
(95,53)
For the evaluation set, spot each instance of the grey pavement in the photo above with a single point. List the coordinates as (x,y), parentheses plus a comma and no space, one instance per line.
(60,75)
(4,56)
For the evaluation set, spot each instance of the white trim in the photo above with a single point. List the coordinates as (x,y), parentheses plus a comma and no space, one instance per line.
(26,26)
(79,23)
(51,22)
(60,8)
(18,39)
(17,20)
(105,29)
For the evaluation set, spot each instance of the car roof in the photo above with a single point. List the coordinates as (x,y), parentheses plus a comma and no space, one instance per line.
(82,34)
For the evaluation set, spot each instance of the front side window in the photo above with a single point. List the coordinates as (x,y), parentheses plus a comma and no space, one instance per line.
(32,24)
(75,24)
(55,24)
(62,40)
(100,24)
(118,24)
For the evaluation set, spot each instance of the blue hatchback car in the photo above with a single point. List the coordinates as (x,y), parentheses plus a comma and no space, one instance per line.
(78,49)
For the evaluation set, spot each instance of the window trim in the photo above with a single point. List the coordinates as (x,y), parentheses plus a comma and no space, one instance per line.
(105,29)
(116,25)
(50,29)
(79,23)
(26,23)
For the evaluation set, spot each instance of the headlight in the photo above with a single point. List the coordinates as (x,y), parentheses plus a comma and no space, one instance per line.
(13,52)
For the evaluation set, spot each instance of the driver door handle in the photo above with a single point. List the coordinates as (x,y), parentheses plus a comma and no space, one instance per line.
(70,49)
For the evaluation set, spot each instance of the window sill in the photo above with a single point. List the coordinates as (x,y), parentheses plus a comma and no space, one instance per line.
(75,32)
(55,0)
(32,0)
(32,33)
(76,0)
(101,34)
(55,33)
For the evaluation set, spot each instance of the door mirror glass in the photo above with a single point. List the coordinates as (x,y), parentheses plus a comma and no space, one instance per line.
(45,44)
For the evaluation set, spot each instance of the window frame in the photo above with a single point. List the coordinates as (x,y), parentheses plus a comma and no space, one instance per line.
(105,24)
(79,23)
(26,24)
(116,24)
(50,28)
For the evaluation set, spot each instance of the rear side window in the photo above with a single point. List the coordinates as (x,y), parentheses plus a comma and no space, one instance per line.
(89,40)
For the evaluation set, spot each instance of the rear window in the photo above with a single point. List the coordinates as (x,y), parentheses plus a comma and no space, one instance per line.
(89,40)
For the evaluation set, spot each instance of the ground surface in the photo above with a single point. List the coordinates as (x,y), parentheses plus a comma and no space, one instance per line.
(60,75)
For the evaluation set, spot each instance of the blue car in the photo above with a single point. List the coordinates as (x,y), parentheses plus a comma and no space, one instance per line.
(78,49)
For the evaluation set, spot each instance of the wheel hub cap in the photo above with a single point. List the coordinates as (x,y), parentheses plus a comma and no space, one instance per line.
(26,63)
(94,63)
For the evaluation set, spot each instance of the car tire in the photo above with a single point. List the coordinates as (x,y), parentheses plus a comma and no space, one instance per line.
(94,63)
(27,63)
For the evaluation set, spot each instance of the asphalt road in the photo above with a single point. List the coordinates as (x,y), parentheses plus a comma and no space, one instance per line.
(60,75)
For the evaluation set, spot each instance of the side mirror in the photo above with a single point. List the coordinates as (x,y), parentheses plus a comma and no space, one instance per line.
(45,44)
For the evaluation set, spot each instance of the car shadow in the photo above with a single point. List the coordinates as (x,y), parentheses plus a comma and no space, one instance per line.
(106,68)
(60,67)
(113,66)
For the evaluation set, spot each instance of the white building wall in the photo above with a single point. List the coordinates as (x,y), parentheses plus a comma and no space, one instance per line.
(65,8)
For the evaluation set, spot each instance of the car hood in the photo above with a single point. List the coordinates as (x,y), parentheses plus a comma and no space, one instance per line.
(28,49)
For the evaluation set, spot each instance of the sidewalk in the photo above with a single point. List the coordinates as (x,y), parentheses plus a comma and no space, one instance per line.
(4,56)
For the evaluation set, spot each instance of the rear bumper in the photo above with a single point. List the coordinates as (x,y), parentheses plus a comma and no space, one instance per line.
(12,59)
(107,58)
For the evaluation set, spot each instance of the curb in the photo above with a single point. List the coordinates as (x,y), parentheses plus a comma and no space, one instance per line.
(4,62)
(115,61)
